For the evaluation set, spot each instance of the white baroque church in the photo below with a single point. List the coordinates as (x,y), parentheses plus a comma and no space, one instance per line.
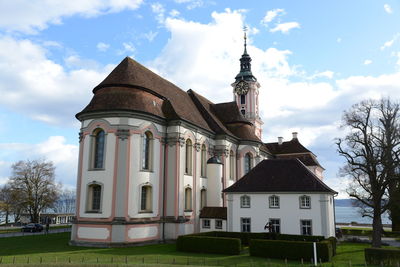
(156,162)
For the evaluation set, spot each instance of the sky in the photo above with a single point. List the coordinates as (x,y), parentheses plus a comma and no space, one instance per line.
(313,59)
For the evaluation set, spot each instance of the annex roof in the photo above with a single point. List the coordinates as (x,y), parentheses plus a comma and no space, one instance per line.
(213,213)
(279,175)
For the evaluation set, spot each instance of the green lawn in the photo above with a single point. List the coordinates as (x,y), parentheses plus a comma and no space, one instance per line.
(49,249)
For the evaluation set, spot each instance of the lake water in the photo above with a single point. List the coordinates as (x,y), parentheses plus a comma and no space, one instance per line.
(351,214)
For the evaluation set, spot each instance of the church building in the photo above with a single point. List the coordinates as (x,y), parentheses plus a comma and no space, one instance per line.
(156,162)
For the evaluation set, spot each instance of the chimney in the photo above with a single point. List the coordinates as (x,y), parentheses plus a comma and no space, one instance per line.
(280,140)
(294,135)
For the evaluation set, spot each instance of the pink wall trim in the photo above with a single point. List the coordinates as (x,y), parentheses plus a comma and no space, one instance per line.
(251,103)
(128,159)
(177,173)
(160,183)
(114,194)
(166,172)
(223,177)
(156,237)
(108,227)
(79,180)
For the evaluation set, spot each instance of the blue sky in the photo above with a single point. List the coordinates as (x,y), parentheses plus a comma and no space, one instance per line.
(313,59)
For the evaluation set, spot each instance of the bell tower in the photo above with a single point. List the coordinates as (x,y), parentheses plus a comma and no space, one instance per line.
(246,91)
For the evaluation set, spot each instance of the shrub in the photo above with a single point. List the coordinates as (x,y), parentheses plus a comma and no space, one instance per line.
(246,237)
(382,256)
(208,244)
(309,238)
(333,241)
(294,250)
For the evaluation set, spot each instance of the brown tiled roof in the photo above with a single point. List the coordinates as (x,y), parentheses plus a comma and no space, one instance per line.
(307,158)
(279,175)
(131,74)
(214,213)
(290,147)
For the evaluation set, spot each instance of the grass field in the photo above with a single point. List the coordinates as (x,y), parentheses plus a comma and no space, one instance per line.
(54,248)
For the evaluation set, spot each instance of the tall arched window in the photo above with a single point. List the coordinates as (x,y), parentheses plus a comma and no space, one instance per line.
(99,139)
(94,198)
(242,99)
(146,196)
(203,161)
(188,157)
(188,199)
(231,165)
(147,151)
(248,163)
(203,198)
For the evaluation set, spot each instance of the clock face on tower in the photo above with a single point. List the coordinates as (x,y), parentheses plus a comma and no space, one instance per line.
(242,88)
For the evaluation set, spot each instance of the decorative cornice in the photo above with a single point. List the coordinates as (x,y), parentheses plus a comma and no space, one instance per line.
(123,134)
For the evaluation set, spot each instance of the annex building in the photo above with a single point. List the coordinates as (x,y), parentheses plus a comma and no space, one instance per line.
(156,162)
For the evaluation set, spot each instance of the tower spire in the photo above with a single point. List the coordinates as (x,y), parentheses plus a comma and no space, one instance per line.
(245,63)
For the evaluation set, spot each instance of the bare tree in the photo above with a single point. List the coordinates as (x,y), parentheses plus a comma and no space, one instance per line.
(35,181)
(10,203)
(66,202)
(366,149)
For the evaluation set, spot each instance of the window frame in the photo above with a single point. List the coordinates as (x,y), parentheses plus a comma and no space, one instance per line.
(188,205)
(271,202)
(188,156)
(205,222)
(243,203)
(216,224)
(301,202)
(203,198)
(245,224)
(95,152)
(203,161)
(274,225)
(89,207)
(306,226)
(248,162)
(149,199)
(232,161)
(147,151)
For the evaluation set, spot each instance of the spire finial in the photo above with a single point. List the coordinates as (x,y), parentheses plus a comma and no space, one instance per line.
(245,39)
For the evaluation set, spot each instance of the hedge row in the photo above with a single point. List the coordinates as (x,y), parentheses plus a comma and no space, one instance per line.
(387,257)
(368,232)
(293,250)
(208,244)
(246,237)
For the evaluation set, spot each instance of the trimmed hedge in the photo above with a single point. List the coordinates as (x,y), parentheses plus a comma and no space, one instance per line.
(377,256)
(208,244)
(308,238)
(293,250)
(333,241)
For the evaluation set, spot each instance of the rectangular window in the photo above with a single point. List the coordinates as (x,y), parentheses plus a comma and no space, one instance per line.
(245,225)
(245,202)
(305,227)
(206,223)
(218,224)
(305,202)
(275,225)
(274,202)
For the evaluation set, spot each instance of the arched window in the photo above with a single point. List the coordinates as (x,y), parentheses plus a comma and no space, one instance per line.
(242,99)
(147,151)
(243,111)
(203,198)
(248,163)
(188,157)
(99,139)
(203,161)
(94,198)
(231,165)
(146,196)
(188,199)
(245,201)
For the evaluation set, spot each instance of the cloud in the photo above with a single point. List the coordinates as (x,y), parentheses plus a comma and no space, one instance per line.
(158,9)
(339,40)
(36,86)
(388,8)
(390,42)
(150,35)
(367,62)
(271,15)
(191,4)
(285,27)
(31,16)
(55,149)
(128,48)
(208,55)
(102,47)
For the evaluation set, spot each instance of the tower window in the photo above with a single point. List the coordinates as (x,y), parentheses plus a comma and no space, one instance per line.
(146,198)
(147,149)
(94,198)
(99,140)
(188,157)
(243,111)
(203,161)
(248,162)
(242,99)
(188,199)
